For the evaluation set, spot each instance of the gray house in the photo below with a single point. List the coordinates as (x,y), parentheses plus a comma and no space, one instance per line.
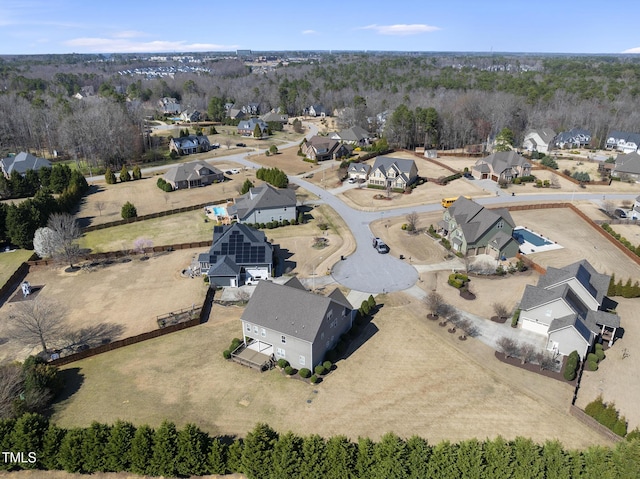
(289,322)
(474,229)
(359,171)
(503,165)
(239,254)
(355,135)
(540,140)
(573,138)
(389,172)
(188,145)
(320,148)
(622,141)
(263,204)
(21,163)
(569,305)
(194,174)
(627,166)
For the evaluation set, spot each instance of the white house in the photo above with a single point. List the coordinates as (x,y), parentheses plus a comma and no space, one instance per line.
(539,140)
(622,141)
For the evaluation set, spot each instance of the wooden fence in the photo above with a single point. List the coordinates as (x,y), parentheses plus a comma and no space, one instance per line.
(583,417)
(12,283)
(570,178)
(531,264)
(150,216)
(202,317)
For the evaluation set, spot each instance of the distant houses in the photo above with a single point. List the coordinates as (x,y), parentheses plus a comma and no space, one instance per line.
(622,141)
(321,148)
(540,140)
(573,138)
(394,173)
(193,175)
(21,163)
(169,106)
(188,145)
(502,166)
(248,127)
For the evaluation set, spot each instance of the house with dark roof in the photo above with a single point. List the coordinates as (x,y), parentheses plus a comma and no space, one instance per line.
(188,145)
(316,110)
(627,166)
(238,254)
(473,229)
(574,138)
(501,166)
(190,116)
(394,173)
(320,148)
(355,135)
(540,140)
(275,116)
(264,203)
(22,162)
(359,171)
(248,127)
(169,106)
(285,321)
(569,305)
(622,141)
(192,175)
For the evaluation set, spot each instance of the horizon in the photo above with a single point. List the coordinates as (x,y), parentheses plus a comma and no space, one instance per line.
(58,27)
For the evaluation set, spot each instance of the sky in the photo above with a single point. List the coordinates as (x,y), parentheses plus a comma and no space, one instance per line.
(137,26)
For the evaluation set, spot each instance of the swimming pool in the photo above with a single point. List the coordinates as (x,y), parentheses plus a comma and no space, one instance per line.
(219,211)
(523,235)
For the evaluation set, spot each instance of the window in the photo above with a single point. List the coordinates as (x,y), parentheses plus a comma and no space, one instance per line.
(280,352)
(500,224)
(283,339)
(248,328)
(329,315)
(301,360)
(263,333)
(255,329)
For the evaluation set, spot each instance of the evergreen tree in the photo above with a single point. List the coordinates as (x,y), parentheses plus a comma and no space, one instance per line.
(619,288)
(217,458)
(128,211)
(498,458)
(234,457)
(598,463)
(258,451)
(341,455)
(70,454)
(418,454)
(6,432)
(555,461)
(136,174)
(372,302)
(287,457)
(60,177)
(576,461)
(366,458)
(314,458)
(51,444)
(93,444)
(257,132)
(390,458)
(124,174)
(142,450)
(193,446)
(627,289)
(611,291)
(443,461)
(27,436)
(626,459)
(117,450)
(527,461)
(471,459)
(165,449)
(110,176)
(246,186)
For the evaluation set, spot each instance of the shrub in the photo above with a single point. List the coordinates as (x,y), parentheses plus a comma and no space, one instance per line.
(592,365)
(549,162)
(314,379)
(136,174)
(235,342)
(515,318)
(305,373)
(109,176)
(633,435)
(128,211)
(288,370)
(500,271)
(592,357)
(445,242)
(595,408)
(569,374)
(226,354)
(620,427)
(319,370)
(282,363)
(327,365)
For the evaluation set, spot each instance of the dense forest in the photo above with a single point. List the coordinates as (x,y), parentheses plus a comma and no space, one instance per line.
(444,101)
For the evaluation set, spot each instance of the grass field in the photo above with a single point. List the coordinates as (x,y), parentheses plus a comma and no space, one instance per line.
(426,383)
(10,261)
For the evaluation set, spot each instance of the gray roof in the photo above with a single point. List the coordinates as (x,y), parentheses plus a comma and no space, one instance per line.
(546,134)
(190,171)
(355,133)
(190,141)
(629,163)
(359,168)
(22,162)
(503,160)
(603,318)
(274,116)
(225,267)
(595,283)
(290,310)
(240,244)
(386,162)
(574,135)
(264,197)
(475,220)
(624,135)
(572,320)
(535,296)
(251,123)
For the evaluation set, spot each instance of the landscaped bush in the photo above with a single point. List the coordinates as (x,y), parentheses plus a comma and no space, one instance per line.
(314,379)
(592,365)
(527,179)
(571,366)
(592,357)
(327,365)
(304,373)
(163,185)
(599,352)
(319,370)
(282,363)
(549,162)
(446,243)
(458,280)
(289,370)
(607,415)
(515,318)
(226,354)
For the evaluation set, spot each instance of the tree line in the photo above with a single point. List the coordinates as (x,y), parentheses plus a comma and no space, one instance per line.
(264,453)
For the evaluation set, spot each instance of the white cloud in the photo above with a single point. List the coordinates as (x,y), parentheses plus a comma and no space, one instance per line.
(632,50)
(309,32)
(129,34)
(123,44)
(401,29)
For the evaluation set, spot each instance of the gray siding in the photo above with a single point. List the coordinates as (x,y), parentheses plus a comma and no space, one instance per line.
(275,214)
(336,322)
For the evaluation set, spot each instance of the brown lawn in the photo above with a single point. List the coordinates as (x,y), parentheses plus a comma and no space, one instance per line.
(426,383)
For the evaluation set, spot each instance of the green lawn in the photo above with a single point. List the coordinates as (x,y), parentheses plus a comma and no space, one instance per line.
(179,228)
(9,262)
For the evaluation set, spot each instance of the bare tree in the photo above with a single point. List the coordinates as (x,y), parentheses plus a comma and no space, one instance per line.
(227,142)
(501,310)
(242,296)
(528,353)
(434,302)
(100,206)
(11,385)
(609,207)
(508,346)
(546,361)
(37,321)
(412,222)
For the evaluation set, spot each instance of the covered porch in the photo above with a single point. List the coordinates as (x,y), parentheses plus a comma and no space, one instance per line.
(254,354)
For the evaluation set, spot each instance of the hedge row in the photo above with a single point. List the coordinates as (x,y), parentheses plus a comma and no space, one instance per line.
(607,415)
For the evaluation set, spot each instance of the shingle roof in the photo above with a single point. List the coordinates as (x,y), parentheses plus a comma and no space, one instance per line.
(359,167)
(355,133)
(535,296)
(386,162)
(288,309)
(502,160)
(629,163)
(572,320)
(595,283)
(624,135)
(264,197)
(573,135)
(546,134)
(22,162)
(604,319)
(241,244)
(475,220)
(190,171)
